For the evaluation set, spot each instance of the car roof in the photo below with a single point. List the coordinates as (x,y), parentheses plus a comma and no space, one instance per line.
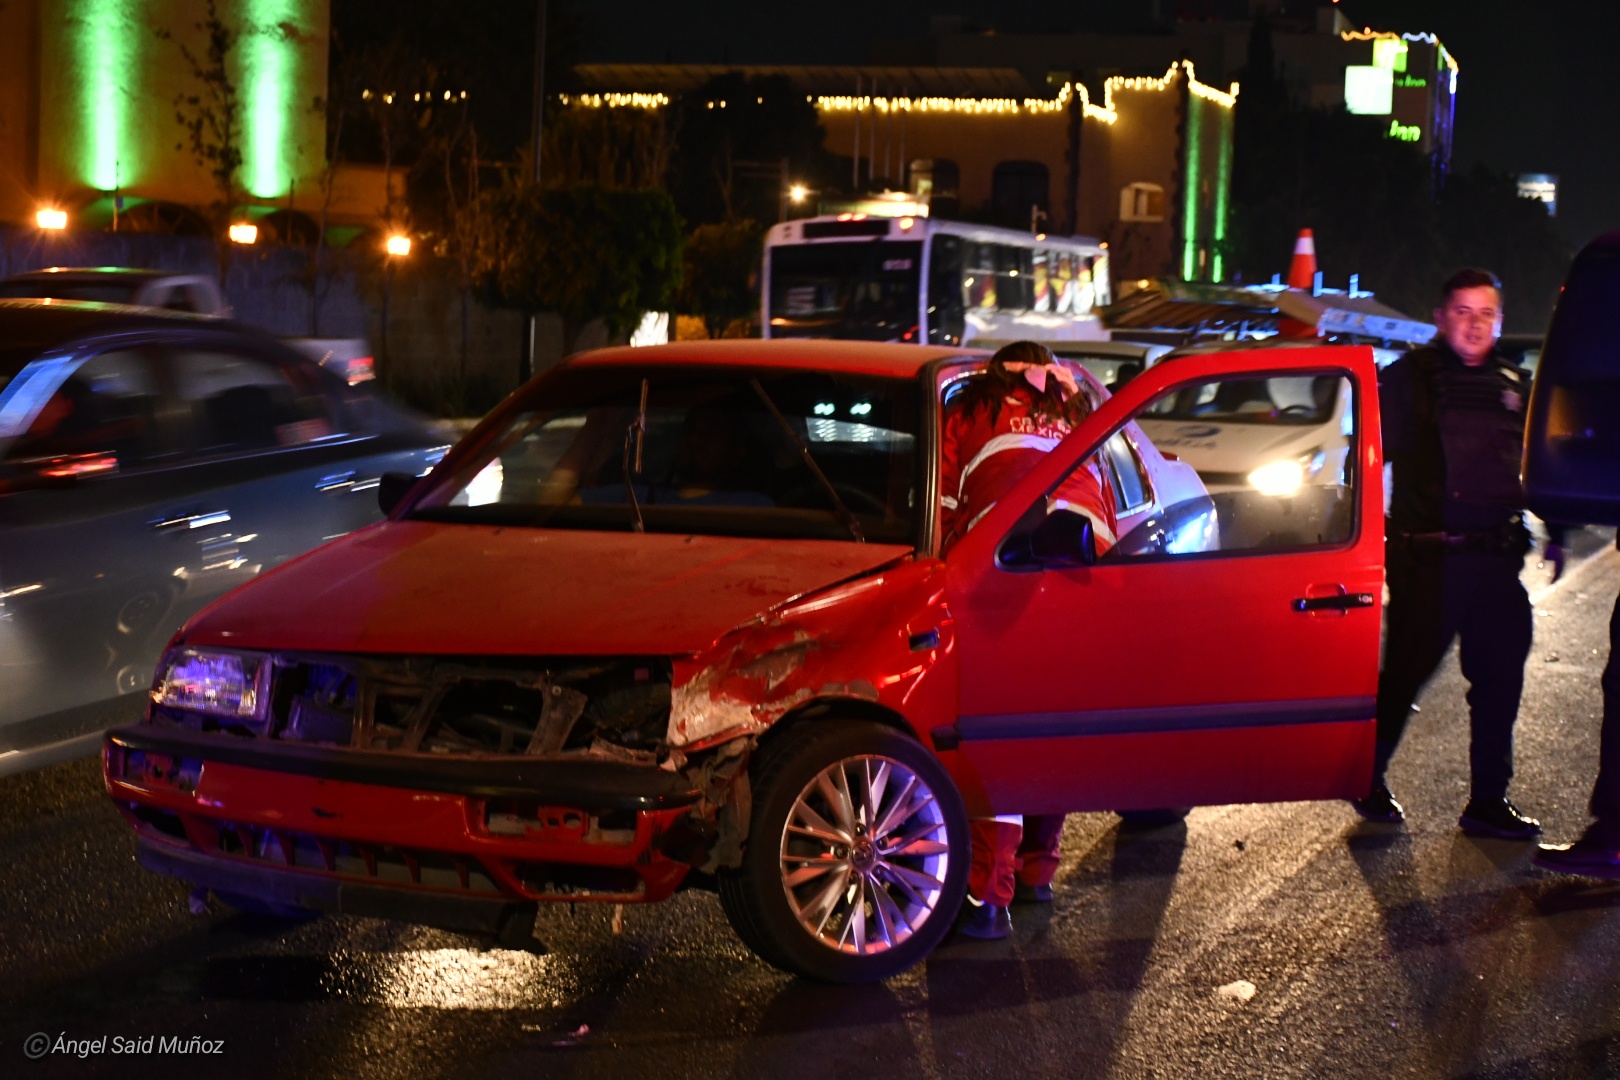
(1125,349)
(95,273)
(29,327)
(819,354)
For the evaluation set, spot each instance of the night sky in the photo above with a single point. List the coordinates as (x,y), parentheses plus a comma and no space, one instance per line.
(1536,91)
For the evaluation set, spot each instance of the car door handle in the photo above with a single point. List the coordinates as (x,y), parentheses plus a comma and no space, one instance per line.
(190,521)
(1342,602)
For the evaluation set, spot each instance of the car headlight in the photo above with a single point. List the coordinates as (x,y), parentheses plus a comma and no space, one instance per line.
(229,685)
(1287,476)
(1278,478)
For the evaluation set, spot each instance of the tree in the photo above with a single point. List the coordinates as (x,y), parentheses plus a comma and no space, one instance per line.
(584,253)
(211,118)
(733,137)
(722,274)
(615,148)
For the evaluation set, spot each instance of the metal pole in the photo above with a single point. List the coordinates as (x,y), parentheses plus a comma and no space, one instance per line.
(532,323)
(854,175)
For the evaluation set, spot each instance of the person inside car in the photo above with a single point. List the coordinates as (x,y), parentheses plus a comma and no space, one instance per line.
(996,429)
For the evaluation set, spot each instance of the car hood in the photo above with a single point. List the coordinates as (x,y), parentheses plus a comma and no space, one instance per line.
(430,588)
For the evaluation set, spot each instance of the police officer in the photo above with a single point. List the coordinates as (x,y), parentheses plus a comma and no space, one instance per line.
(1453,425)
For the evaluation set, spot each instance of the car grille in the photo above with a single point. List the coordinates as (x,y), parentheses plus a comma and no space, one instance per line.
(460,705)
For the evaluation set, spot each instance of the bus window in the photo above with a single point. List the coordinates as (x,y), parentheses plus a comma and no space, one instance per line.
(864,291)
(980,280)
(1063,284)
(1014,278)
(1042,279)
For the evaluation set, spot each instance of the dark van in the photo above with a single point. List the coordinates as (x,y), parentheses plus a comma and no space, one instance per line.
(1572,440)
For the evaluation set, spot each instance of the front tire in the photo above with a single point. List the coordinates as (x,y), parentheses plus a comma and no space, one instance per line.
(857,855)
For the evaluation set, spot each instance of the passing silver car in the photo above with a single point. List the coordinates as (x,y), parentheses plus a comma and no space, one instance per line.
(150,462)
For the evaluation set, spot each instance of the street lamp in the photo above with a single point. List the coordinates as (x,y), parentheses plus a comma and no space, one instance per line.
(243,232)
(50,218)
(397,245)
(798,193)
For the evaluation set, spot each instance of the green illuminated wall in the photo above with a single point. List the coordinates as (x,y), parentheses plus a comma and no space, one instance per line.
(103,37)
(1223,196)
(269,64)
(109,81)
(1191,175)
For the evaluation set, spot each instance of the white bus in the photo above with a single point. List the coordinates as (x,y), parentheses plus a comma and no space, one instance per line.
(926,280)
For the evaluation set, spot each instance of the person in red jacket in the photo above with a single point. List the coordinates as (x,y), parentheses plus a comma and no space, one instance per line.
(997,428)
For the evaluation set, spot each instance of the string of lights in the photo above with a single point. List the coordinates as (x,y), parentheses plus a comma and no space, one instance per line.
(980,106)
(1369,34)
(616,101)
(833,103)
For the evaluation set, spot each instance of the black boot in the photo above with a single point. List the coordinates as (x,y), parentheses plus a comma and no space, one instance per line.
(1380,806)
(986,922)
(1497,818)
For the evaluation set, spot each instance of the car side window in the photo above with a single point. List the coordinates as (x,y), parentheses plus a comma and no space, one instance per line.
(1251,464)
(239,403)
(108,406)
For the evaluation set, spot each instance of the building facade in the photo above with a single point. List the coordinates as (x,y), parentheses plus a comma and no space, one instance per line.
(1143,164)
(90,89)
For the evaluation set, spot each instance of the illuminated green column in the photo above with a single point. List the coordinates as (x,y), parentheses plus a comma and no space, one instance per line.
(1223,193)
(269,59)
(1192,159)
(102,40)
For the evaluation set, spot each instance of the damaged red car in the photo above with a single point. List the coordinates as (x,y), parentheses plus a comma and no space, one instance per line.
(678,616)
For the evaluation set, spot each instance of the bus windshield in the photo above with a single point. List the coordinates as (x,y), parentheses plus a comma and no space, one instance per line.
(864,290)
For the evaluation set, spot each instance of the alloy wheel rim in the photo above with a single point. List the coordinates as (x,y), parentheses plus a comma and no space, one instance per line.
(864,856)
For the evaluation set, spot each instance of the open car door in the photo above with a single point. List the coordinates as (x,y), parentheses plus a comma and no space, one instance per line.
(1225,650)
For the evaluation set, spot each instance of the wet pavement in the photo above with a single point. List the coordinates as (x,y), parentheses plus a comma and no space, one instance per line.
(1283,940)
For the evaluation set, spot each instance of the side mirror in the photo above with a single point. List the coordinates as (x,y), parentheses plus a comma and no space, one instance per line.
(392,488)
(1062,540)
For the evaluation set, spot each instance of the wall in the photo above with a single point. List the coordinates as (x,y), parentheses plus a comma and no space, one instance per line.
(1144,146)
(19,107)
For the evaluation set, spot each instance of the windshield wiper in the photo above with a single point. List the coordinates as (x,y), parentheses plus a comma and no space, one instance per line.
(635,432)
(849,519)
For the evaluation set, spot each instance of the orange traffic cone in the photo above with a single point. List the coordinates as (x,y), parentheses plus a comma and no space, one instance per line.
(1302,271)
(1301,275)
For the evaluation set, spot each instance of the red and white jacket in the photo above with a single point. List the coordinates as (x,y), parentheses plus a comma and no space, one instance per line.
(984,458)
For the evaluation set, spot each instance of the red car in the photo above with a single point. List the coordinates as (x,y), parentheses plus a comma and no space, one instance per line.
(677,615)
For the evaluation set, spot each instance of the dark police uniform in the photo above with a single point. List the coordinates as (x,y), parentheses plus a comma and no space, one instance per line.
(1456,542)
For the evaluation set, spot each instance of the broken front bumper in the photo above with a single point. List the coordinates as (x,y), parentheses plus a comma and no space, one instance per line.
(366,831)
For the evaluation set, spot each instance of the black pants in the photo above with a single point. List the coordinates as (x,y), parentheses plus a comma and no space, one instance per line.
(1435,598)
(1606,793)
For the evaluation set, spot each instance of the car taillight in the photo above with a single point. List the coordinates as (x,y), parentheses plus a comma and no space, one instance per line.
(359,369)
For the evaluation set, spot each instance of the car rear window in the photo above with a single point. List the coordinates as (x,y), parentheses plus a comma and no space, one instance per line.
(723,451)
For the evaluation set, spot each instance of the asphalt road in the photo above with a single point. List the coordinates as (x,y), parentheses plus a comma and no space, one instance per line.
(1369,952)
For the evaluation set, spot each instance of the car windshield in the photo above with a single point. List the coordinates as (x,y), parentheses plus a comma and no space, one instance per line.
(1303,400)
(723,451)
(865,290)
